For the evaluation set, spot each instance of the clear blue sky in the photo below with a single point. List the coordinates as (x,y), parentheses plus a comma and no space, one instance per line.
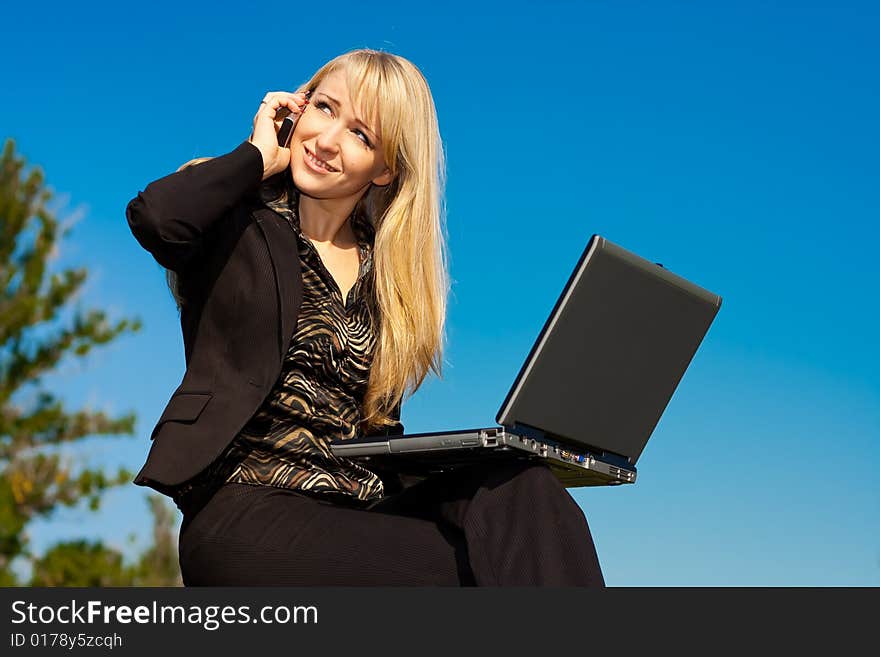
(735,143)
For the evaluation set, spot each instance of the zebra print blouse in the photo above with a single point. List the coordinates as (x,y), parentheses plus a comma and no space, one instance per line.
(322,383)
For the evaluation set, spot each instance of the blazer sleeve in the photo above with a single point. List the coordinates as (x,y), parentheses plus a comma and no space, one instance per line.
(171,216)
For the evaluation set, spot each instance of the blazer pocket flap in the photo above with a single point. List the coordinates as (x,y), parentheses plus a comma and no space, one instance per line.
(185,407)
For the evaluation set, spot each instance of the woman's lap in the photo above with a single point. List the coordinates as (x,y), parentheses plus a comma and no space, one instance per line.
(266,536)
(497,524)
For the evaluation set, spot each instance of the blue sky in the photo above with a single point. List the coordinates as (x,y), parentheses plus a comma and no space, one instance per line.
(736,143)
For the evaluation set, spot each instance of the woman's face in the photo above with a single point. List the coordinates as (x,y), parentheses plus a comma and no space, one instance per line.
(330,129)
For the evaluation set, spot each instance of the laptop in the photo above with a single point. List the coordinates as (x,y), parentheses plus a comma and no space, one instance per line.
(593,387)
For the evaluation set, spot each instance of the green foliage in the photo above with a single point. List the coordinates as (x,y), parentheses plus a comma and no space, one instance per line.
(158,566)
(85,563)
(80,563)
(34,479)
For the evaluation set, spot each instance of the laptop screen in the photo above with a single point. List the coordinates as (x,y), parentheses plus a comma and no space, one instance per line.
(611,353)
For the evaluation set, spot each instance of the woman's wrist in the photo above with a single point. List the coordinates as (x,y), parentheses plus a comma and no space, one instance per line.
(267,161)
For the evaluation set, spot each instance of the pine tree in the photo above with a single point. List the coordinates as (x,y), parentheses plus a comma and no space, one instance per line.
(34,479)
(158,565)
(90,563)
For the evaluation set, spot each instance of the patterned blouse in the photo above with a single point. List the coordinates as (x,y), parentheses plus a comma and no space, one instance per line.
(322,383)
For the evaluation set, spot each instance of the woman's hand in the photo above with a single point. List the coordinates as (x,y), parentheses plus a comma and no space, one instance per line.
(266,125)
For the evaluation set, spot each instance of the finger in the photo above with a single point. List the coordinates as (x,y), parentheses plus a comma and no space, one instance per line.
(285,109)
(270,106)
(270,94)
(279,101)
(266,127)
(272,111)
(298,96)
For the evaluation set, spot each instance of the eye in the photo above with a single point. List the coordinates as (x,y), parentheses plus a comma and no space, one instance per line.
(365,139)
(320,104)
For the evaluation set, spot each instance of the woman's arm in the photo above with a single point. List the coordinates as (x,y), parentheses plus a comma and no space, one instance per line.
(171,216)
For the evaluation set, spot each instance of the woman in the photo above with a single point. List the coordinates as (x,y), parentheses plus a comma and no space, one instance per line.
(311,284)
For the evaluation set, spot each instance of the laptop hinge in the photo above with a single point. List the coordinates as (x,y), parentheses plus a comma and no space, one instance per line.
(609,457)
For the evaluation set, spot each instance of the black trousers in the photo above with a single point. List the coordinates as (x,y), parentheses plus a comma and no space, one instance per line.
(497,524)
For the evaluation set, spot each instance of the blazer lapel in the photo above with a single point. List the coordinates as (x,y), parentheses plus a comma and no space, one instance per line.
(284,253)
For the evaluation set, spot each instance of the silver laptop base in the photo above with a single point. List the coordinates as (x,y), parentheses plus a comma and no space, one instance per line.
(426,454)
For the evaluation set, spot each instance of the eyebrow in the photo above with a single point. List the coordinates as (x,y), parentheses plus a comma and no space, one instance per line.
(336,102)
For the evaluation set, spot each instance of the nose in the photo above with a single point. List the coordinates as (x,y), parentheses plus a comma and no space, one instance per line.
(327,142)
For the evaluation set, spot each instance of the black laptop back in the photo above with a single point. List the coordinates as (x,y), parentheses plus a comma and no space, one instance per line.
(611,354)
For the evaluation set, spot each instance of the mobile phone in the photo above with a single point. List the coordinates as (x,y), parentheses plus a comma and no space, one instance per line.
(287,125)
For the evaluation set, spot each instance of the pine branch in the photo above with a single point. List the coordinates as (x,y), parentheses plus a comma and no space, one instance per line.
(22,367)
(20,309)
(34,481)
(50,424)
(40,483)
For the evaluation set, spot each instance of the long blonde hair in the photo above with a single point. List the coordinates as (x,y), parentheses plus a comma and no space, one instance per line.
(410,253)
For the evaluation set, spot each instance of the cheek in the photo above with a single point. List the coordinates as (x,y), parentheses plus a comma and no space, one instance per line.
(304,124)
(367,167)
(298,130)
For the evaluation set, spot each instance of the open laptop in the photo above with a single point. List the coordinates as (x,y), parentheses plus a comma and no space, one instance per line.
(592,389)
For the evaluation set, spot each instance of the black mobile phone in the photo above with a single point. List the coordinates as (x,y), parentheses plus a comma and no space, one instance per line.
(287,124)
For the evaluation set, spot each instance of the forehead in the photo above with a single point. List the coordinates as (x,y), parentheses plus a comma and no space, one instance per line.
(335,85)
(335,81)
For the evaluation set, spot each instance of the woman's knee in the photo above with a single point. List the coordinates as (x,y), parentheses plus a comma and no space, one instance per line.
(530,475)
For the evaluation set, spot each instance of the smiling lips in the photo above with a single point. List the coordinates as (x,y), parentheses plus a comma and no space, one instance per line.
(315,163)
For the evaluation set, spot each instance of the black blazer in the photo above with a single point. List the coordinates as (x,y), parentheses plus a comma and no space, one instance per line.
(239,274)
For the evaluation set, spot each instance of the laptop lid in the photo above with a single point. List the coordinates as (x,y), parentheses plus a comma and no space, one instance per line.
(611,353)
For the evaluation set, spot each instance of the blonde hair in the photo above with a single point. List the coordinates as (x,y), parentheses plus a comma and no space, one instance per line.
(411,278)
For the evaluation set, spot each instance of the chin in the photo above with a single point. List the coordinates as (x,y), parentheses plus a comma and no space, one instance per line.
(307,185)
(304,182)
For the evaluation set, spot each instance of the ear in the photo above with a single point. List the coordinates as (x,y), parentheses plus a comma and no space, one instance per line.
(383,178)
